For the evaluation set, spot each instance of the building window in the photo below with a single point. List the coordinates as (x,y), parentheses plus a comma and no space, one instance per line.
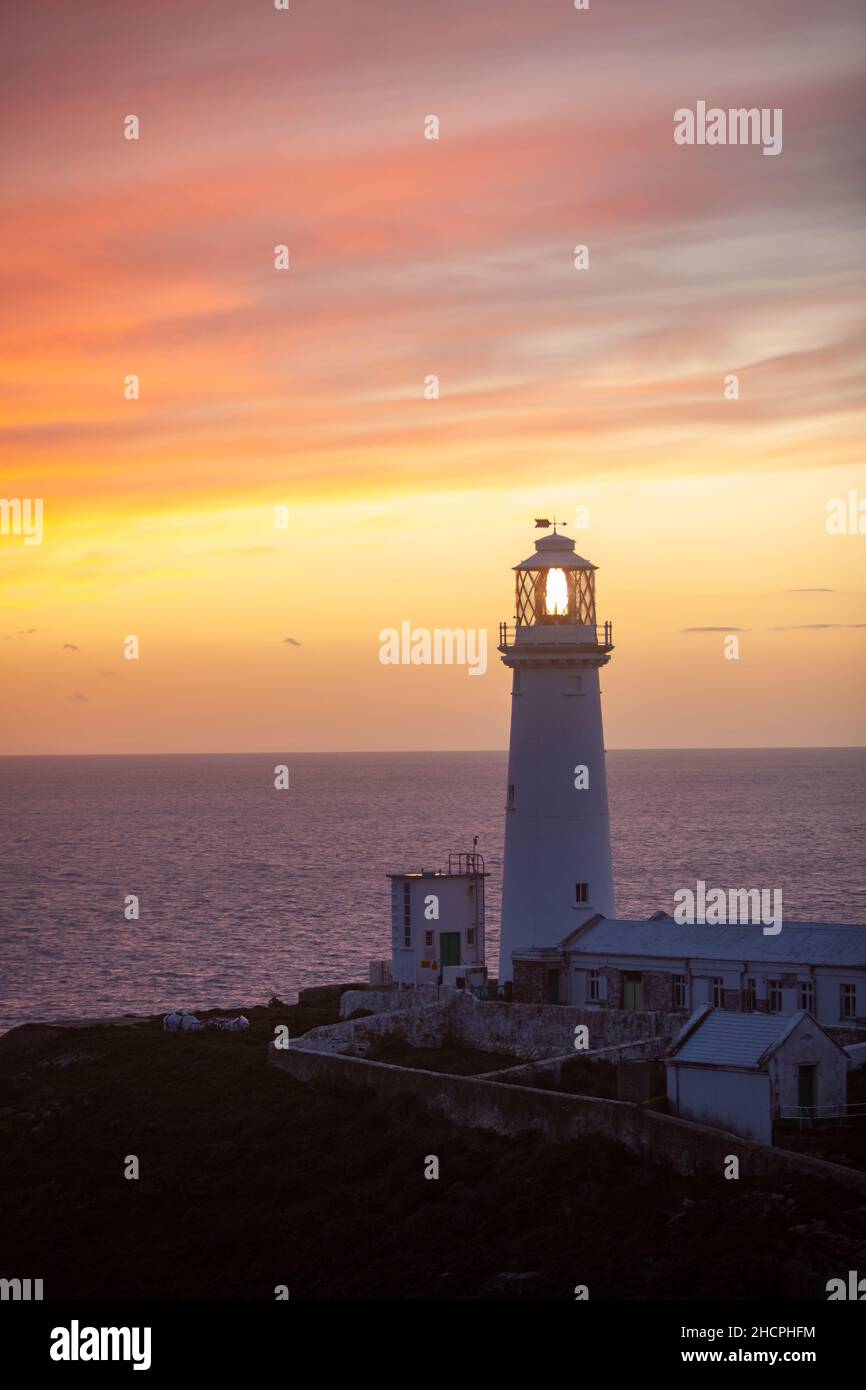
(848,1001)
(511,797)
(807,995)
(681,992)
(593,987)
(718,985)
(470,936)
(581,892)
(407,914)
(428,938)
(774,996)
(750,994)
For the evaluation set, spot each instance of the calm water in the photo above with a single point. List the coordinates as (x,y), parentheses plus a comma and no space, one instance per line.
(246,891)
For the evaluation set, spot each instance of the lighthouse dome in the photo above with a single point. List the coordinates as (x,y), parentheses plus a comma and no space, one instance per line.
(555,552)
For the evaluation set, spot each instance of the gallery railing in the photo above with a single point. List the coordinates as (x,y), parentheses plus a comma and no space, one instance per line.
(599,636)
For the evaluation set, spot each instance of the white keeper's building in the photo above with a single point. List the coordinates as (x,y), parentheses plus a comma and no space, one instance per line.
(660,965)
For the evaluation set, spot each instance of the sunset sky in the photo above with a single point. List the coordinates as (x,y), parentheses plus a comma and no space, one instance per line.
(560,388)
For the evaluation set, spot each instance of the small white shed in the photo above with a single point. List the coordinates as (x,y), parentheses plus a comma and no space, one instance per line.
(739,1071)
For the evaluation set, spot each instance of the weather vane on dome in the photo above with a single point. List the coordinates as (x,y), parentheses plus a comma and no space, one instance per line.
(543,521)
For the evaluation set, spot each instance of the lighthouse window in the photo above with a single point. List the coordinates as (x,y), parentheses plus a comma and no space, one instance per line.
(581,892)
(407,914)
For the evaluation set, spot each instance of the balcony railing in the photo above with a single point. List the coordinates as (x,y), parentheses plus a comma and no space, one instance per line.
(599,637)
(808,1115)
(471,863)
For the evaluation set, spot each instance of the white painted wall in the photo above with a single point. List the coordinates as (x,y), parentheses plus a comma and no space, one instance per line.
(738,1101)
(555,835)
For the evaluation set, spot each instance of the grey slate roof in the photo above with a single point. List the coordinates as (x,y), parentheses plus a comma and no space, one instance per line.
(722,1039)
(806,943)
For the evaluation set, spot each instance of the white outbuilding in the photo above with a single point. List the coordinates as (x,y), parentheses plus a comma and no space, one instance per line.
(740,1072)
(437,924)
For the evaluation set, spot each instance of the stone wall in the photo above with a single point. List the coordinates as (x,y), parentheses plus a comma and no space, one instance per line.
(552,1066)
(524,1030)
(658,992)
(679,1145)
(426,1026)
(547,1030)
(614,986)
(640,1080)
(530,981)
(380,1001)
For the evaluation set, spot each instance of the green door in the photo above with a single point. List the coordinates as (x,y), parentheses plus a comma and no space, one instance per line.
(806,1088)
(632,991)
(449,947)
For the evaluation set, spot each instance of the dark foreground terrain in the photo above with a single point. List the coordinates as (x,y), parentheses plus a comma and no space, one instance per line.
(250,1180)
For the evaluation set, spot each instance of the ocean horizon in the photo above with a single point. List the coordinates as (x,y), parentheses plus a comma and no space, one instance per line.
(245,891)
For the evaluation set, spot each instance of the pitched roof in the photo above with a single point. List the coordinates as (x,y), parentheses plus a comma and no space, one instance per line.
(715,1037)
(806,943)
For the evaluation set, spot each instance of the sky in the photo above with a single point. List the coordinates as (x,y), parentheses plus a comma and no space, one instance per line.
(307,389)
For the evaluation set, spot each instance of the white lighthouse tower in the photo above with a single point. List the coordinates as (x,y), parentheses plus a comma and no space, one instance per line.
(557,870)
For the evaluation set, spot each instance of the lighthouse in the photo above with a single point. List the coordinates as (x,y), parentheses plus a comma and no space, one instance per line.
(557,870)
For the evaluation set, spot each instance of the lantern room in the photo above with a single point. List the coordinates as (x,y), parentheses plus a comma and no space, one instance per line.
(555,586)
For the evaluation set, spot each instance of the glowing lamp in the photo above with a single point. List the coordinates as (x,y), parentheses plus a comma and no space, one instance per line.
(556,594)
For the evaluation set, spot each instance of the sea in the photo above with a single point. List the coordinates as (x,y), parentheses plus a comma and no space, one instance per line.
(245,891)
